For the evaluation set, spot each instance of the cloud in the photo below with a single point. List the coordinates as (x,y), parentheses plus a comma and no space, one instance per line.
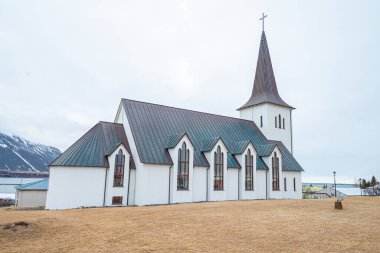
(65,65)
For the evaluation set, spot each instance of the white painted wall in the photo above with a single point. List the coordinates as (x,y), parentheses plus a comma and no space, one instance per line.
(290,193)
(181,196)
(72,187)
(31,198)
(269,112)
(233,184)
(217,195)
(260,187)
(155,189)
(199,184)
(132,187)
(268,160)
(114,191)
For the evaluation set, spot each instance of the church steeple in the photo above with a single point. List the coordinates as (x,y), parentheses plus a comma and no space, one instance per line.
(264,87)
(265,107)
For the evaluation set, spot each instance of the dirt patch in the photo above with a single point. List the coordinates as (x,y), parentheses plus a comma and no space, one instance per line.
(16,226)
(231,226)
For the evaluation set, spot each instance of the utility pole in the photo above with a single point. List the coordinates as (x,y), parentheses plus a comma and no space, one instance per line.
(334,182)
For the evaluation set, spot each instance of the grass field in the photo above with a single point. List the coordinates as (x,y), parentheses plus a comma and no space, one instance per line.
(272,225)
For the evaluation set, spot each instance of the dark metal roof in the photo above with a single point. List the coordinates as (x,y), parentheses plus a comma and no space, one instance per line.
(209,144)
(288,160)
(174,139)
(264,87)
(92,149)
(152,125)
(240,147)
(266,150)
(232,162)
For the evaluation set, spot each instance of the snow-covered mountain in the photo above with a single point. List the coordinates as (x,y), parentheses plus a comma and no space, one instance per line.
(20,155)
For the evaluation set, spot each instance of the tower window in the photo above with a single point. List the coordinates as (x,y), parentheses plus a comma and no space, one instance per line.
(294,183)
(285,184)
(283,123)
(279,120)
(261,121)
(275,122)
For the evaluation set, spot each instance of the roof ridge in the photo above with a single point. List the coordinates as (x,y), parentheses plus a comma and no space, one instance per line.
(108,122)
(184,109)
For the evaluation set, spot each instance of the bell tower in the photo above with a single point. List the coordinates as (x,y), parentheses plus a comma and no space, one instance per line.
(265,107)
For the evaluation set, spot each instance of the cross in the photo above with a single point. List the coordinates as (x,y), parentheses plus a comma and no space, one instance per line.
(264,16)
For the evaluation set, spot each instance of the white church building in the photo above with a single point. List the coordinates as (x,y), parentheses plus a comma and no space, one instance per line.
(155,154)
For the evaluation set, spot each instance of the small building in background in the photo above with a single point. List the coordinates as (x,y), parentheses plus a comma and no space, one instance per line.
(32,194)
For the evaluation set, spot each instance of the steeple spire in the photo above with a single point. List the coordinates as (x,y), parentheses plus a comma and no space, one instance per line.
(264,87)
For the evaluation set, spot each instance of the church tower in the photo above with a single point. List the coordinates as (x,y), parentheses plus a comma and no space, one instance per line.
(265,107)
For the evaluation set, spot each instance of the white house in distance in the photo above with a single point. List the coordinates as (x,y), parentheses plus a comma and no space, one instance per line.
(32,194)
(155,154)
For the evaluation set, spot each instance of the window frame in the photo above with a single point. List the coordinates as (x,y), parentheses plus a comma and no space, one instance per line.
(117,200)
(218,170)
(119,169)
(275,172)
(249,169)
(285,186)
(183,169)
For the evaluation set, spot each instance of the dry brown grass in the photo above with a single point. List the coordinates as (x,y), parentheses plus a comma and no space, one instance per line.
(272,225)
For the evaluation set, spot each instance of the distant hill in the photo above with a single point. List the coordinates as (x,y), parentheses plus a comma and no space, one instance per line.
(20,155)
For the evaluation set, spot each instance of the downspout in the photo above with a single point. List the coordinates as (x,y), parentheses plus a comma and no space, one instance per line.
(291,132)
(105,188)
(266,184)
(170,168)
(129,180)
(207,171)
(239,184)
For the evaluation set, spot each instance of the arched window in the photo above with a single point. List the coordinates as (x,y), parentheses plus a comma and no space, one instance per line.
(279,121)
(118,177)
(261,121)
(249,171)
(283,123)
(294,183)
(218,169)
(275,173)
(275,122)
(285,184)
(183,168)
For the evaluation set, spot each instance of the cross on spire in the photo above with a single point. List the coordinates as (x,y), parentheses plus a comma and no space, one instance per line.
(264,16)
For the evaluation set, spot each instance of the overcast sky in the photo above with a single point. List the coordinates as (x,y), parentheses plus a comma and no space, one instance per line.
(65,65)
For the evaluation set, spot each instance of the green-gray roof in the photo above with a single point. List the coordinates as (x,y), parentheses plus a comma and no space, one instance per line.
(92,149)
(153,125)
(40,185)
(209,144)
